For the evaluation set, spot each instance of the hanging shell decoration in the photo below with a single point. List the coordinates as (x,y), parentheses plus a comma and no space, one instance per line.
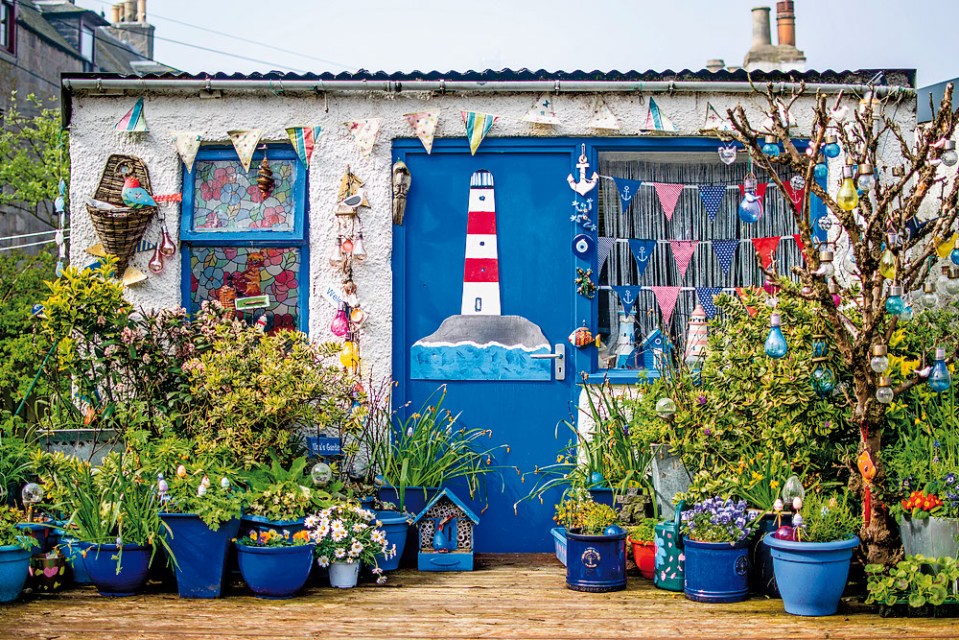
(264,179)
(583,337)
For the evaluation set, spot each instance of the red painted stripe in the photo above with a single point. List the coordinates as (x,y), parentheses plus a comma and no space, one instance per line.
(481,270)
(481,222)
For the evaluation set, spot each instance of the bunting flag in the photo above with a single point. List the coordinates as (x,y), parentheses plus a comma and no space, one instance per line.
(668,196)
(304,140)
(603,118)
(712,196)
(627,189)
(187,144)
(627,297)
(760,190)
(477,126)
(743,292)
(766,248)
(666,297)
(245,141)
(725,251)
(542,112)
(714,121)
(707,298)
(795,195)
(683,252)
(656,120)
(603,248)
(642,253)
(134,120)
(799,243)
(364,133)
(424,126)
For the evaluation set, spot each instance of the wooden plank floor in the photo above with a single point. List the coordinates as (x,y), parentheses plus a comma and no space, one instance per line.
(513,597)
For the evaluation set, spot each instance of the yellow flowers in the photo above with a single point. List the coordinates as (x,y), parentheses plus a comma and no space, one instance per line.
(774,484)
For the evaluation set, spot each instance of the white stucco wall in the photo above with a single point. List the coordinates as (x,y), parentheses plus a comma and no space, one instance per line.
(93,139)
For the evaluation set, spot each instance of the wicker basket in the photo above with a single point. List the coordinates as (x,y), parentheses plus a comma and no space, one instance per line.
(120,229)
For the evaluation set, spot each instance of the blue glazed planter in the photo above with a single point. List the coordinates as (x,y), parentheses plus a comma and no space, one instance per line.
(559,543)
(275,572)
(396,526)
(602,495)
(595,563)
(811,575)
(14,563)
(716,571)
(70,547)
(101,566)
(762,578)
(199,553)
(415,499)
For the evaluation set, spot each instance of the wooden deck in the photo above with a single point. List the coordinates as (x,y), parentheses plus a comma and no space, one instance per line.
(514,597)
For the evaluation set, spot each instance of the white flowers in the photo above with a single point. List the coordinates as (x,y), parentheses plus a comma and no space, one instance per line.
(323,561)
(340,553)
(311,521)
(337,531)
(379,536)
(360,526)
(356,548)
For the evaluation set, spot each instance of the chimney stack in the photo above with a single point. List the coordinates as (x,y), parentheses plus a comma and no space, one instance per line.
(130,11)
(115,13)
(786,23)
(142,11)
(761,34)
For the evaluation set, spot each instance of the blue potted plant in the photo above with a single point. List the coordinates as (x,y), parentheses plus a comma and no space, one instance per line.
(275,564)
(595,544)
(716,542)
(279,498)
(347,536)
(15,550)
(811,559)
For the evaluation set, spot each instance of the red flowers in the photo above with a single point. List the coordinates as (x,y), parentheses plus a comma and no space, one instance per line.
(921,500)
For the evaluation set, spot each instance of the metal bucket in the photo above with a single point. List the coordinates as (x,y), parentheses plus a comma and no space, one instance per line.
(932,537)
(595,563)
(669,477)
(670,574)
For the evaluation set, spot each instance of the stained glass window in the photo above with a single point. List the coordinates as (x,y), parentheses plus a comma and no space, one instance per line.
(226,198)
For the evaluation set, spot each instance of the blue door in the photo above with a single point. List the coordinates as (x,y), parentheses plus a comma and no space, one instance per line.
(483,275)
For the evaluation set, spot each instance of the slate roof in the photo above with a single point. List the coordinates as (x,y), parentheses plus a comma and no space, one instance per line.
(935,91)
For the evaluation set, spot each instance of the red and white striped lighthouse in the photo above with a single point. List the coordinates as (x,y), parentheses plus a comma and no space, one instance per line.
(481,273)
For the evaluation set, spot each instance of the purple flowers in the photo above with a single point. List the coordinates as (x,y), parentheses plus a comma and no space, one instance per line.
(707,431)
(718,520)
(701,399)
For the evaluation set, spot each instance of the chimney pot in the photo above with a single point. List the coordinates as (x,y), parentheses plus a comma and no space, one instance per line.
(716,64)
(786,23)
(762,36)
(129,10)
(141,10)
(115,13)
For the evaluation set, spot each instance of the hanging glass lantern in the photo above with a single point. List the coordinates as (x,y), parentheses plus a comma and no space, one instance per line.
(880,358)
(156,262)
(884,392)
(167,245)
(341,323)
(336,258)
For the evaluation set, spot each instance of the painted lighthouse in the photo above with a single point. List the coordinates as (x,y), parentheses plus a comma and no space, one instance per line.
(480,343)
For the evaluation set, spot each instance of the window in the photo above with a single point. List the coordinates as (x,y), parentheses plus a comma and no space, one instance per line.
(87,43)
(8,26)
(247,252)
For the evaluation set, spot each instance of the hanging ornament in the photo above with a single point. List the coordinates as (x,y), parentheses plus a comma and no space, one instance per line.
(819,346)
(357,316)
(582,337)
(584,283)
(939,378)
(867,177)
(583,186)
(887,262)
(751,208)
(156,262)
(341,323)
(949,156)
(831,149)
(346,246)
(848,197)
(359,249)
(350,353)
(929,299)
(771,147)
(907,313)
(336,258)
(349,292)
(894,302)
(823,379)
(665,408)
(166,246)
(821,171)
(264,178)
(826,267)
(825,222)
(954,254)
(775,342)
(884,392)
(727,154)
(880,358)
(951,281)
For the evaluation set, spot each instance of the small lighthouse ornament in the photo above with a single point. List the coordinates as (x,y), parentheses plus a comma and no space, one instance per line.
(696,339)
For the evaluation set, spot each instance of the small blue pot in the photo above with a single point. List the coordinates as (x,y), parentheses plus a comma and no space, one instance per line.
(396,525)
(199,553)
(811,575)
(716,571)
(14,564)
(101,566)
(602,495)
(70,548)
(595,563)
(275,572)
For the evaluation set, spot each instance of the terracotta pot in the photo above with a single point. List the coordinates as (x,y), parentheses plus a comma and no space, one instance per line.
(644,554)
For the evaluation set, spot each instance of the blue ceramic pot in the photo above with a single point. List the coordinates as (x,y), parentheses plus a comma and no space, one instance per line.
(716,571)
(100,563)
(762,578)
(396,525)
(811,575)
(602,495)
(595,563)
(414,501)
(199,553)
(14,564)
(275,572)
(70,547)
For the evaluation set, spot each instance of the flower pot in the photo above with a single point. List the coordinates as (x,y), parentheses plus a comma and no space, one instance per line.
(48,572)
(275,572)
(100,562)
(343,575)
(670,560)
(14,564)
(762,578)
(39,532)
(716,571)
(595,563)
(811,575)
(261,524)
(644,554)
(70,547)
(559,541)
(932,537)
(413,502)
(602,495)
(396,526)
(199,553)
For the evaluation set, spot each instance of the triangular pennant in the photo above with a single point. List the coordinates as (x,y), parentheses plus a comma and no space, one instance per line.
(134,120)
(603,248)
(627,190)
(187,144)
(627,297)
(666,297)
(668,196)
(707,297)
(603,118)
(712,196)
(424,126)
(364,133)
(477,126)
(656,120)
(795,195)
(743,292)
(760,190)
(799,243)
(683,252)
(245,142)
(303,140)
(725,251)
(714,122)
(542,112)
(766,248)
(642,253)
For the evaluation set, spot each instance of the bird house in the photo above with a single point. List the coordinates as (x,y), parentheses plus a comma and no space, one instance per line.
(445,534)
(656,351)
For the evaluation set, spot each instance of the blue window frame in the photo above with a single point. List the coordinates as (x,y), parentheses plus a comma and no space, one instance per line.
(241,249)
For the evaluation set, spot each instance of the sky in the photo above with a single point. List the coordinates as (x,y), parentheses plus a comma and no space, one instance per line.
(390,35)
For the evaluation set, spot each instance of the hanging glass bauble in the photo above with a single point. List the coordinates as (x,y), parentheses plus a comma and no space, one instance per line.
(665,408)
(32,493)
(359,249)
(156,262)
(321,474)
(167,245)
(750,208)
(341,323)
(823,380)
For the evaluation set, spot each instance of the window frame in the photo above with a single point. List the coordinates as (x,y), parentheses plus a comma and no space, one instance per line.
(298,238)
(87,29)
(8,28)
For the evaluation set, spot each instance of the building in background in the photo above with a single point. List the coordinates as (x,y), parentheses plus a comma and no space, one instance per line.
(763,55)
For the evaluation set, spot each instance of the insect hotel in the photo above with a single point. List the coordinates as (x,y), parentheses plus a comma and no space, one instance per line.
(446,534)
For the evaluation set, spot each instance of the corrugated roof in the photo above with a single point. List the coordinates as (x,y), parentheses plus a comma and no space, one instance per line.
(930,96)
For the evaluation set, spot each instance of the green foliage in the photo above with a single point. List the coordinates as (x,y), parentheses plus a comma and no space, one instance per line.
(828,518)
(916,580)
(286,494)
(645,531)
(346,533)
(578,512)
(10,535)
(214,505)
(16,465)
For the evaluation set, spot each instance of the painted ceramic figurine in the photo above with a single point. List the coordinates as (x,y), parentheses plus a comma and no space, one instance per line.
(136,196)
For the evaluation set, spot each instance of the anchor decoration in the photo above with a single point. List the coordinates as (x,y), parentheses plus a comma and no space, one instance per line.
(583,186)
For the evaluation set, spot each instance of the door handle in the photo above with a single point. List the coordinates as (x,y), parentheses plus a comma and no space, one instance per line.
(558,357)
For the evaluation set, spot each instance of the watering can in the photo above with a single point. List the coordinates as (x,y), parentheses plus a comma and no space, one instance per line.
(670,559)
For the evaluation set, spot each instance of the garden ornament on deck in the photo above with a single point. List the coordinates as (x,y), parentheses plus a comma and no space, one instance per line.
(595,544)
(446,534)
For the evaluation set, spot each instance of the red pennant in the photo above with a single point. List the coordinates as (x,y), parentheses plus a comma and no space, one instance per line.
(795,195)
(668,196)
(666,297)
(760,190)
(742,292)
(683,253)
(766,247)
(799,243)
